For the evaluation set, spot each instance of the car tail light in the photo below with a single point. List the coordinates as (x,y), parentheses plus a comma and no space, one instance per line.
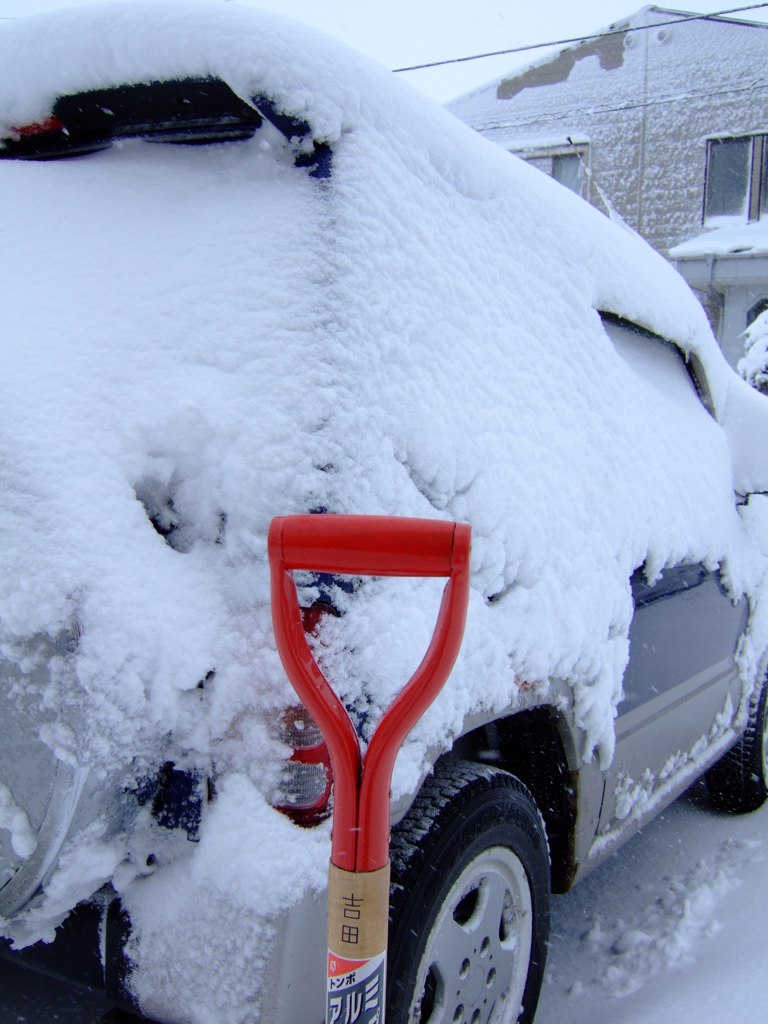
(50,124)
(311,617)
(305,786)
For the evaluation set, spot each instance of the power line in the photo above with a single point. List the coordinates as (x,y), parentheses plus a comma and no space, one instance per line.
(580,39)
(559,42)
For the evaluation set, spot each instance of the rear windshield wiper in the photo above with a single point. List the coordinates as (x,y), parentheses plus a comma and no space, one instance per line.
(182,111)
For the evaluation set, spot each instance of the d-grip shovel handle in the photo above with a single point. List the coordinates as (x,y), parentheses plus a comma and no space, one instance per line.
(366,546)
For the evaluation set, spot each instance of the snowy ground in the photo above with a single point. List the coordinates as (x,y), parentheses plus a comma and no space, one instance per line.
(672,928)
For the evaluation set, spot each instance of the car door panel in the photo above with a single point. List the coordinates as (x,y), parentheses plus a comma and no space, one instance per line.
(680,674)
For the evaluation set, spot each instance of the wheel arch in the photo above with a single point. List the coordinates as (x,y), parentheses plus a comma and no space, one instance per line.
(536,746)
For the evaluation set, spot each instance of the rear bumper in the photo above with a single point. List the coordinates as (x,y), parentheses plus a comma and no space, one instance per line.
(293,988)
(89,952)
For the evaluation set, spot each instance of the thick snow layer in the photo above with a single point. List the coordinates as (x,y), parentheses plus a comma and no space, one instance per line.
(14,819)
(248,866)
(754,366)
(210,334)
(725,236)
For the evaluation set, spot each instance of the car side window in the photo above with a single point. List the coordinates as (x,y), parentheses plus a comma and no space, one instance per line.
(659,361)
(684,624)
(671,581)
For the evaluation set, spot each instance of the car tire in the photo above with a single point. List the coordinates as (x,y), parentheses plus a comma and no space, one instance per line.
(469,901)
(739,781)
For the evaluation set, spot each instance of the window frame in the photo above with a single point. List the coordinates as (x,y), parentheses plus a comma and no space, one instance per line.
(573,156)
(582,149)
(757,172)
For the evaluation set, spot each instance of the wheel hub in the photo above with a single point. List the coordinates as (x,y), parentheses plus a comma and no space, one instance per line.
(475,962)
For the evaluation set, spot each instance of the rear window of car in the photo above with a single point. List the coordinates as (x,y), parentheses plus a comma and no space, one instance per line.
(659,361)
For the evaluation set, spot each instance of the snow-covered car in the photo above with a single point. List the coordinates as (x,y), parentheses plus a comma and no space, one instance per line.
(325,294)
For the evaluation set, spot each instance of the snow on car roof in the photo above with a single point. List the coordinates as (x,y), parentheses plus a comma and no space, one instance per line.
(209,337)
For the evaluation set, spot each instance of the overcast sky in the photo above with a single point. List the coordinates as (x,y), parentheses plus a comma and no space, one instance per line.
(399,33)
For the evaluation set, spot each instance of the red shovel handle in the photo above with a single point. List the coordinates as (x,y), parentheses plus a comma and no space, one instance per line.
(366,546)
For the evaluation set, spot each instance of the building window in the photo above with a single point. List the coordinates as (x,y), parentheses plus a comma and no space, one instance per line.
(567,170)
(758,308)
(736,182)
(565,166)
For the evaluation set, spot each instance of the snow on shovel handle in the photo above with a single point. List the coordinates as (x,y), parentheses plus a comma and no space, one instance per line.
(358,879)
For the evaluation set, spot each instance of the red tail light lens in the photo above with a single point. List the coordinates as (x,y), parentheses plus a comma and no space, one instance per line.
(305,788)
(50,124)
(312,616)
(298,729)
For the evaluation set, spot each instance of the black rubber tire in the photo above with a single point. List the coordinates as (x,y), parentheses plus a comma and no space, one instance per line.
(463,811)
(739,781)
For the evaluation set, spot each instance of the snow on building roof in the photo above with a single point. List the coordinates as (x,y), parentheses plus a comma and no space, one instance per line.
(725,236)
(212,334)
(646,91)
(609,46)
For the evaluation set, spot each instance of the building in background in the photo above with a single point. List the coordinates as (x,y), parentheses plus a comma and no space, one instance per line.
(666,119)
